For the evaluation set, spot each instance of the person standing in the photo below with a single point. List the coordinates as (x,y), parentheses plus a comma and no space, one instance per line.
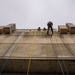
(50,24)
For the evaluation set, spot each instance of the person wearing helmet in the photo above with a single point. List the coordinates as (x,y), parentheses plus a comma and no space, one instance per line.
(50,24)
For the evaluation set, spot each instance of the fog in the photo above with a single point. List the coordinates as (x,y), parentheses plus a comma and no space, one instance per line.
(31,14)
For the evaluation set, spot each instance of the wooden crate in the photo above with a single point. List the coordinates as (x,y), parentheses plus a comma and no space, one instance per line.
(1,29)
(71,28)
(68,25)
(13,26)
(62,29)
(8,29)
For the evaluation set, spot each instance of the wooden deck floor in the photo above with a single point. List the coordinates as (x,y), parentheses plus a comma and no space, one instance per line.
(38,45)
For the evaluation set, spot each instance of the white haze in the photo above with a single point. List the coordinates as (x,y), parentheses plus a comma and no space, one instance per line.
(30,14)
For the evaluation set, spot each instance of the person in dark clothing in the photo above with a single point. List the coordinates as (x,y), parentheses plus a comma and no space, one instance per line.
(50,24)
(39,29)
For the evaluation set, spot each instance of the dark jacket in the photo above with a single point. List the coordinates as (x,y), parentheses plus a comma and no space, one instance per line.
(50,24)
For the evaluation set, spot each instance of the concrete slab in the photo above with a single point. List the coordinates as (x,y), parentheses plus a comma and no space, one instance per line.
(9,39)
(4,49)
(2,37)
(41,46)
(44,52)
(38,39)
(16,33)
(39,51)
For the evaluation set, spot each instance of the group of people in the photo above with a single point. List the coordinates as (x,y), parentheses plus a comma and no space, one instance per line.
(50,27)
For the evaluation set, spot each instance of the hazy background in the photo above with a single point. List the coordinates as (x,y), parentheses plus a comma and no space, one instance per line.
(36,13)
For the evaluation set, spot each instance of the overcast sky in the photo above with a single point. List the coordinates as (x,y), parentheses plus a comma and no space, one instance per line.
(36,13)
